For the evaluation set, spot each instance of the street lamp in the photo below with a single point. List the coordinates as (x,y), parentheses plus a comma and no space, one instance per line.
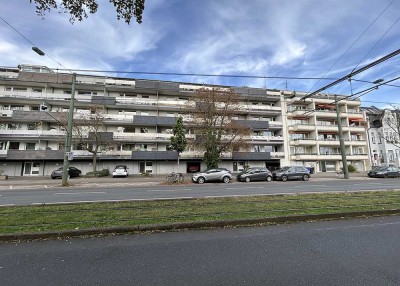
(38,51)
(68,139)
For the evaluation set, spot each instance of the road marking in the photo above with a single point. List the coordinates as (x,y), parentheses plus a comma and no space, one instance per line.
(7,205)
(80,193)
(169,190)
(241,188)
(358,226)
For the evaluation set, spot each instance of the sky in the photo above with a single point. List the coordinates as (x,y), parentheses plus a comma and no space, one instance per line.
(252,40)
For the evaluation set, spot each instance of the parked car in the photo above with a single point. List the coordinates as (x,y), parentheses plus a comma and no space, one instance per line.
(72,172)
(384,172)
(216,174)
(255,174)
(120,171)
(291,173)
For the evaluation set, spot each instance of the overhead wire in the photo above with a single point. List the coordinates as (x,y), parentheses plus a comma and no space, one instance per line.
(358,38)
(33,45)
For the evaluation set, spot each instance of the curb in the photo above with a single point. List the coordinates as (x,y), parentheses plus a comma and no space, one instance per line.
(191,225)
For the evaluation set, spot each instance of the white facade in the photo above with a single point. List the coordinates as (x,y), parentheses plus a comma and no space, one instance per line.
(381,134)
(140,116)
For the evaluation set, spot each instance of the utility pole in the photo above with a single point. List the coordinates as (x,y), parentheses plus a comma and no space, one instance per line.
(68,139)
(341,140)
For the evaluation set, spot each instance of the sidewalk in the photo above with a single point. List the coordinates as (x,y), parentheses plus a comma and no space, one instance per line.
(14,182)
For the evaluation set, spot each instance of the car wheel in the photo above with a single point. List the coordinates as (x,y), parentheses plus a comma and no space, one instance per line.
(226,179)
(306,177)
(284,178)
(247,180)
(201,180)
(269,178)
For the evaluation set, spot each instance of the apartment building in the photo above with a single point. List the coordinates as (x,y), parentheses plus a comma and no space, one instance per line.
(382,131)
(140,114)
(313,132)
(139,118)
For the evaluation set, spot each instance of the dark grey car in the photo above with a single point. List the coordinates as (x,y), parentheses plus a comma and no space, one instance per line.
(292,173)
(255,174)
(216,174)
(384,172)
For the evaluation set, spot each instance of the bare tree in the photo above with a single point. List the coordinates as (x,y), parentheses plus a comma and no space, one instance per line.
(89,132)
(212,115)
(391,120)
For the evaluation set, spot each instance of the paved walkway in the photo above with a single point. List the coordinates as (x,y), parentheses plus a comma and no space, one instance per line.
(40,181)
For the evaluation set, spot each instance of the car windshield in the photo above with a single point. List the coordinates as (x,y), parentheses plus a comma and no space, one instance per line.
(283,169)
(120,167)
(381,169)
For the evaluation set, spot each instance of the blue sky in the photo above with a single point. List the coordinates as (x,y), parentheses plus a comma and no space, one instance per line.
(284,38)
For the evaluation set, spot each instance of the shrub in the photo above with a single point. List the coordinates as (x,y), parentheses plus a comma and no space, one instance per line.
(351,168)
(102,173)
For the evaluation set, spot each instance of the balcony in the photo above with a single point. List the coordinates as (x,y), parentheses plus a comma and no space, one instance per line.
(302,127)
(303,142)
(35,155)
(154,155)
(357,157)
(42,134)
(144,137)
(251,156)
(275,155)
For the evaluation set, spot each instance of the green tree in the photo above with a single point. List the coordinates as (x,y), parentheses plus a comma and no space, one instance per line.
(126,9)
(178,141)
(212,113)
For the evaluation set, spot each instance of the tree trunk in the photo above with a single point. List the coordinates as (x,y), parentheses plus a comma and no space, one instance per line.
(178,162)
(94,161)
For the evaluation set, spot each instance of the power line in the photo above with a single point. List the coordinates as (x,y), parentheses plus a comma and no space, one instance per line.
(370,25)
(374,46)
(350,75)
(34,47)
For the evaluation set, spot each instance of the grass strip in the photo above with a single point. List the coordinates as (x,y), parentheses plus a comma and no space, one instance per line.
(29,219)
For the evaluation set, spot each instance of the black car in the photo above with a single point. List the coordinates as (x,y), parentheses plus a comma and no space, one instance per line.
(255,174)
(291,173)
(72,172)
(384,172)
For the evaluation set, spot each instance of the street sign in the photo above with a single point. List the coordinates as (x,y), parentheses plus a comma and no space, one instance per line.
(70,156)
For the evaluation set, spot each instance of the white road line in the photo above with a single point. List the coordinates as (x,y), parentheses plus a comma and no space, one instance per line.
(172,190)
(7,205)
(241,188)
(80,193)
(358,226)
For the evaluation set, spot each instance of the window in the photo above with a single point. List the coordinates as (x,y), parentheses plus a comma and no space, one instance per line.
(144,130)
(36,89)
(30,146)
(14,146)
(373,137)
(257,148)
(32,126)
(145,96)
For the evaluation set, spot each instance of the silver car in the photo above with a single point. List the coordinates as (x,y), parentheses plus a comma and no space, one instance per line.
(212,175)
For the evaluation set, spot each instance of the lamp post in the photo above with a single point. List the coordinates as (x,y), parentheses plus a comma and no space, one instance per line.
(68,139)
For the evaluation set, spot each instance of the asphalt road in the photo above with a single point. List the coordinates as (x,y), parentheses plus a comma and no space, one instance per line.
(348,252)
(145,191)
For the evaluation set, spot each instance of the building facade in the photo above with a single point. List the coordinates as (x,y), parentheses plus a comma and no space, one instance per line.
(139,116)
(381,134)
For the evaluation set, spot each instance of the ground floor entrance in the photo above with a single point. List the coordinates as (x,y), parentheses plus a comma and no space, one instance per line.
(31,169)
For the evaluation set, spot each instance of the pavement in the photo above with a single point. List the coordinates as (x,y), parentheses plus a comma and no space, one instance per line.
(133,180)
